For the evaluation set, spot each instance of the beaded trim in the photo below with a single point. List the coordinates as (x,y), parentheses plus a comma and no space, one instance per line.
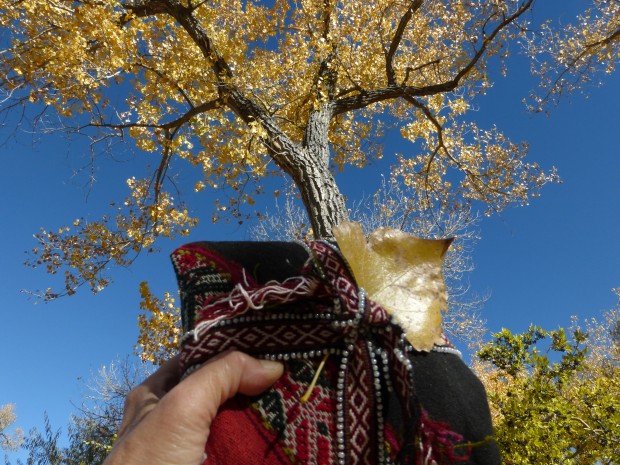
(448,350)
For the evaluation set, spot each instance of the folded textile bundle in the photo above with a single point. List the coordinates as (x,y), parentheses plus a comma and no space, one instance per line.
(351,391)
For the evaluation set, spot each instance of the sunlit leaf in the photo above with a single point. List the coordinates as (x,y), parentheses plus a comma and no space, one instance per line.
(402,273)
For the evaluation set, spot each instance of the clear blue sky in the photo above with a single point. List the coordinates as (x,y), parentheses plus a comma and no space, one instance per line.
(557,257)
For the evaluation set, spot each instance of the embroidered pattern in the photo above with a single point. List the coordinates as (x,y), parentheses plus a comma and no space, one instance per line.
(320,312)
(305,429)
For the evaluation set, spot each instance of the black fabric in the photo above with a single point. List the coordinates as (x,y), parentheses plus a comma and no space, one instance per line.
(450,392)
(265,260)
(447,389)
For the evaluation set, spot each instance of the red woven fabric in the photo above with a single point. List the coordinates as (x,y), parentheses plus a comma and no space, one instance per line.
(237,436)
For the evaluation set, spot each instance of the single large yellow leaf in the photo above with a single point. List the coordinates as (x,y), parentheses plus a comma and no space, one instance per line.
(403,274)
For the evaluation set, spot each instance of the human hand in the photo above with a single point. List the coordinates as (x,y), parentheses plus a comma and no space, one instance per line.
(167,422)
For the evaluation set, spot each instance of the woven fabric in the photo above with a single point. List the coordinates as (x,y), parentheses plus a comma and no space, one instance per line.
(363,408)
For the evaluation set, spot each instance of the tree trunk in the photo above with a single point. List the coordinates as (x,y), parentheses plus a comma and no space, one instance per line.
(323,201)
(322,198)
(308,167)
(307,164)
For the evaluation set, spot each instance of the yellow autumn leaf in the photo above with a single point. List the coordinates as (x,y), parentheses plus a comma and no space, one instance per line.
(403,274)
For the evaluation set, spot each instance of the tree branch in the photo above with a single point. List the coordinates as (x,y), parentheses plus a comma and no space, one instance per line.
(142,9)
(175,124)
(326,72)
(247,108)
(418,68)
(606,41)
(572,65)
(160,173)
(398,35)
(476,179)
(176,85)
(389,92)
(184,16)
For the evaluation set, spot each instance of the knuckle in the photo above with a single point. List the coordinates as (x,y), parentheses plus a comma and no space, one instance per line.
(134,398)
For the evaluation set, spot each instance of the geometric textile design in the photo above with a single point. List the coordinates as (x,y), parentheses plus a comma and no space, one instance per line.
(304,429)
(319,315)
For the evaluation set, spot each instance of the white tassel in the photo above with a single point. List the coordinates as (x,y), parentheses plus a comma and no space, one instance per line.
(240,301)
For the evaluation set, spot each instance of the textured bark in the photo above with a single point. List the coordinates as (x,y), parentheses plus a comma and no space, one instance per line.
(316,137)
(306,164)
(322,198)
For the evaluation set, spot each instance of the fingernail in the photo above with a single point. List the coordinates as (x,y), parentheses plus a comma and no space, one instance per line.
(270,365)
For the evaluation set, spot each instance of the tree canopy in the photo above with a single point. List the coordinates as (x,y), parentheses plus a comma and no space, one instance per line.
(244,90)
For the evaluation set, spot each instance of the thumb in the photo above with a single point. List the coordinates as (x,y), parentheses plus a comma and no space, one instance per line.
(176,431)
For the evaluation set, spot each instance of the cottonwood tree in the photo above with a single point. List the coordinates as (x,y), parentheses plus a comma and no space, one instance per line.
(243,90)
